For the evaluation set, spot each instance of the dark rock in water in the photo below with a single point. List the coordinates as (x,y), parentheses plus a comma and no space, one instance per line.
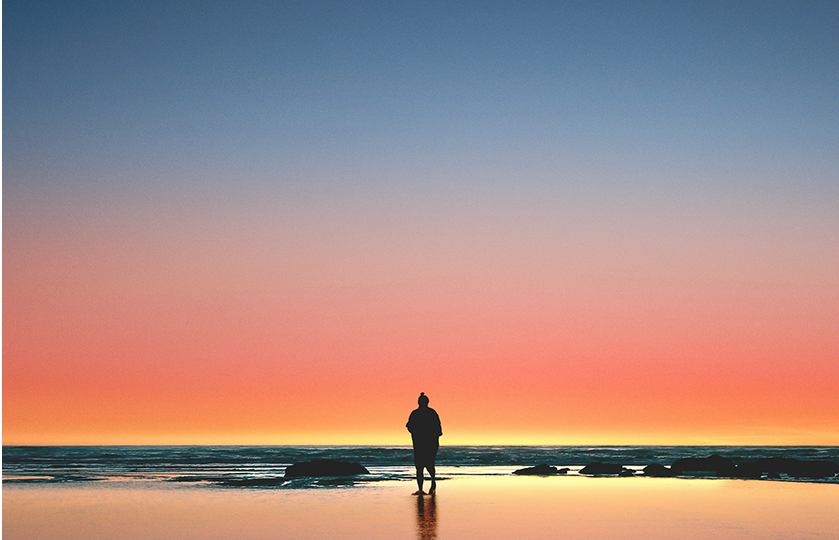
(626,472)
(813,469)
(253,482)
(655,469)
(713,464)
(541,470)
(796,468)
(601,468)
(340,481)
(748,470)
(774,465)
(324,467)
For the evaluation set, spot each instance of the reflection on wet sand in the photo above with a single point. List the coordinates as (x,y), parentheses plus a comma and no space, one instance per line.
(475,508)
(426,517)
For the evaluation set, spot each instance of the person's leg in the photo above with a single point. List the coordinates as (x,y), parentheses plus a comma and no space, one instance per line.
(433,472)
(419,479)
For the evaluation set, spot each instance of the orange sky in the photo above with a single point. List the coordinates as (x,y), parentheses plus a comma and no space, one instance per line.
(245,327)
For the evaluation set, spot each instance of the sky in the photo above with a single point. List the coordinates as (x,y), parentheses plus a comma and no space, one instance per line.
(279,222)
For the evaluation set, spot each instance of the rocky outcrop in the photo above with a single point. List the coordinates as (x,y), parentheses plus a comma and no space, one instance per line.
(324,467)
(789,466)
(771,467)
(713,464)
(655,469)
(253,482)
(748,470)
(598,468)
(541,470)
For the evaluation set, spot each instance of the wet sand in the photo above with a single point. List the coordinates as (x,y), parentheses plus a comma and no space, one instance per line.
(464,508)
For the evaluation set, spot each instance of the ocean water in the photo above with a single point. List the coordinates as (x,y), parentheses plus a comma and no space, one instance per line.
(264,466)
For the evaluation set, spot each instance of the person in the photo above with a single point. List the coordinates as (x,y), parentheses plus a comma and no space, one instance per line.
(425,428)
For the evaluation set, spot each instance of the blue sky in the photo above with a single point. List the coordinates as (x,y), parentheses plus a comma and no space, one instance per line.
(294,92)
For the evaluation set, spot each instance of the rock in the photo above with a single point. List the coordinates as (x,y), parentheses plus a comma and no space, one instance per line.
(796,468)
(813,469)
(748,470)
(324,467)
(541,470)
(626,472)
(655,469)
(774,465)
(716,464)
(253,482)
(601,468)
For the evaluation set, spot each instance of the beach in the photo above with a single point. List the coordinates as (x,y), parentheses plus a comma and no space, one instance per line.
(246,492)
(465,507)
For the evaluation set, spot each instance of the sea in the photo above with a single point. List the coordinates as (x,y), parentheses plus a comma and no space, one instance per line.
(264,466)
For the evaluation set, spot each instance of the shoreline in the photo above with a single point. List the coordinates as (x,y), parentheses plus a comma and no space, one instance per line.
(234,480)
(265,466)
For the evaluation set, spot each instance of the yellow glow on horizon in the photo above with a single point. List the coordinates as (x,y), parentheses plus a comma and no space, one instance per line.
(451,439)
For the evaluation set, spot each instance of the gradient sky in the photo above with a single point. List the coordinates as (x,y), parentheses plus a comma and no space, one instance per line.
(278,222)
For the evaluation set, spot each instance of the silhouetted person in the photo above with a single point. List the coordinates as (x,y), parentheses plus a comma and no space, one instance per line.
(424,425)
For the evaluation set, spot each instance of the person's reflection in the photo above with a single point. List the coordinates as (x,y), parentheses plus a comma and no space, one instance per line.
(426,517)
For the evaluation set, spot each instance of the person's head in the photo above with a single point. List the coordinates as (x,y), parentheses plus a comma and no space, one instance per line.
(423,400)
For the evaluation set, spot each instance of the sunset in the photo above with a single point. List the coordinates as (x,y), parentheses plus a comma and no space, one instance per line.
(279,321)
(568,224)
